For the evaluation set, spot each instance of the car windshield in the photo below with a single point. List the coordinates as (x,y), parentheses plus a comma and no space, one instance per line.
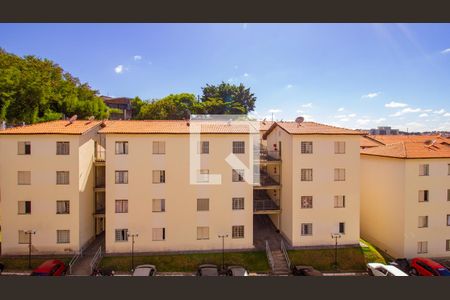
(443,272)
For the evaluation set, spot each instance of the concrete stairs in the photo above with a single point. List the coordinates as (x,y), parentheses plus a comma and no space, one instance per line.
(280,265)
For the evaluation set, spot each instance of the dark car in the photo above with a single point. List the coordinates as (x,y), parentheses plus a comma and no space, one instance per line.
(52,267)
(402,264)
(236,271)
(102,272)
(208,270)
(427,267)
(2,267)
(305,271)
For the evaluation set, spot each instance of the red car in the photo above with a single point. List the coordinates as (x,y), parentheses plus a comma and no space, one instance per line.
(52,267)
(427,267)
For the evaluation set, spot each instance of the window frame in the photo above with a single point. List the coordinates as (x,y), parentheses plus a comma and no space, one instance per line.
(23,173)
(424,169)
(121,148)
(202,237)
(122,204)
(64,202)
(306,147)
(238,147)
(235,203)
(59,233)
(160,148)
(26,237)
(420,248)
(304,226)
(238,174)
(337,199)
(202,149)
(62,145)
(236,231)
(26,207)
(161,176)
(425,224)
(123,234)
(26,146)
(118,176)
(337,147)
(341,227)
(161,205)
(339,174)
(163,234)
(199,204)
(62,175)
(426,196)
(306,198)
(303,174)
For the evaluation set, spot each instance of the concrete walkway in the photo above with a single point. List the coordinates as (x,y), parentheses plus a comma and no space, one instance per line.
(82,266)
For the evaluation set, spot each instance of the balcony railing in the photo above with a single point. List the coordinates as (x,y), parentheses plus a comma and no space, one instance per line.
(264,179)
(265,155)
(263,202)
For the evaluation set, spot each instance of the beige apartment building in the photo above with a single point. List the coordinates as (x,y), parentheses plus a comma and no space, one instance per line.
(316,185)
(46,179)
(405,195)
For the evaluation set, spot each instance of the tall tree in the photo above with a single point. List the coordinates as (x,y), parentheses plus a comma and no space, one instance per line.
(238,98)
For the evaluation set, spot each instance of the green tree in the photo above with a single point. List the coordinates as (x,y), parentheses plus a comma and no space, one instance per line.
(172,107)
(238,98)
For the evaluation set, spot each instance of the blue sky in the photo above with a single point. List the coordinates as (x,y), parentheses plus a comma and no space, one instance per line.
(350,75)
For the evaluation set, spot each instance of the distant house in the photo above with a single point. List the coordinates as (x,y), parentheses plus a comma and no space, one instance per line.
(384,130)
(122,103)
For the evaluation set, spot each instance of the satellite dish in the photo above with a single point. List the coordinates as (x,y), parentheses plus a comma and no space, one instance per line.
(72,119)
(299,120)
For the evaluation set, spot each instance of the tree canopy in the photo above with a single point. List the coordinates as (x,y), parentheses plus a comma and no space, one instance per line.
(34,90)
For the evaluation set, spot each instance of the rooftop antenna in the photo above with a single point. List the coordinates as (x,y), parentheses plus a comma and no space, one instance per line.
(264,121)
(299,121)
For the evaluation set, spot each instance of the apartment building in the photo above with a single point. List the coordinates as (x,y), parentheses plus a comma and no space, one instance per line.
(171,185)
(315,184)
(46,179)
(405,195)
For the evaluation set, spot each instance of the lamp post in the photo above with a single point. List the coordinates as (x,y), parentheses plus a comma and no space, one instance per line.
(132,248)
(29,232)
(335,236)
(223,249)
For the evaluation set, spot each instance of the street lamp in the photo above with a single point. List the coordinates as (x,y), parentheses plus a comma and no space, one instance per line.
(223,249)
(335,236)
(132,248)
(29,232)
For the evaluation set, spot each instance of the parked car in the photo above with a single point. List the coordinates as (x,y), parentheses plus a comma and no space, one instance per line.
(305,271)
(145,270)
(427,267)
(102,272)
(208,270)
(377,269)
(53,267)
(236,271)
(403,264)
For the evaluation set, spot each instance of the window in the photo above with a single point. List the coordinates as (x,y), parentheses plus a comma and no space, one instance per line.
(159,176)
(306,147)
(203,175)
(121,235)
(121,147)
(24,177)
(424,170)
(203,204)
(448,171)
(121,177)
(448,195)
(62,207)
(339,147)
(448,220)
(339,201)
(158,205)
(339,174)
(238,175)
(23,237)
(158,234)
(24,148)
(341,227)
(306,202)
(447,245)
(237,232)
(423,221)
(62,177)
(159,147)
(306,228)
(204,147)
(423,196)
(24,207)
(306,174)
(62,148)
(239,147)
(422,247)
(121,206)
(238,203)
(62,236)
(202,233)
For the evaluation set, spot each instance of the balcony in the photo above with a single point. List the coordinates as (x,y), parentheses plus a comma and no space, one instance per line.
(265,181)
(268,157)
(263,204)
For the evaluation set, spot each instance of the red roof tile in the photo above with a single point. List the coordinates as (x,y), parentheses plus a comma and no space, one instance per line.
(53,127)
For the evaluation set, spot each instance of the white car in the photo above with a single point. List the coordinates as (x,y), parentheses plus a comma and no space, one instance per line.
(377,269)
(145,270)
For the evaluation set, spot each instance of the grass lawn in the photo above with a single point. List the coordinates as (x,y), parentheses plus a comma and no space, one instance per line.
(253,261)
(349,259)
(21,263)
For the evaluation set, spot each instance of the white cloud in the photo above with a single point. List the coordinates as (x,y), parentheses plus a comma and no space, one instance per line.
(406,111)
(362,121)
(423,115)
(380,120)
(427,110)
(274,110)
(289,86)
(308,118)
(340,109)
(119,69)
(352,115)
(137,57)
(307,105)
(446,51)
(415,126)
(300,111)
(246,75)
(439,112)
(447,115)
(344,119)
(394,104)
(370,95)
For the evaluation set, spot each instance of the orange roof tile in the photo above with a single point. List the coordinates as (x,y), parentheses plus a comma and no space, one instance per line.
(410,150)
(366,142)
(265,125)
(390,139)
(53,127)
(172,127)
(311,128)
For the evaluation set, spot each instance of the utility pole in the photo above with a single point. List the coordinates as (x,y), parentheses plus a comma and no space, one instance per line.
(29,232)
(132,248)
(223,249)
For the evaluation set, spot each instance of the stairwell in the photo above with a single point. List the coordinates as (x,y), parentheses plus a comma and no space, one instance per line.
(280,266)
